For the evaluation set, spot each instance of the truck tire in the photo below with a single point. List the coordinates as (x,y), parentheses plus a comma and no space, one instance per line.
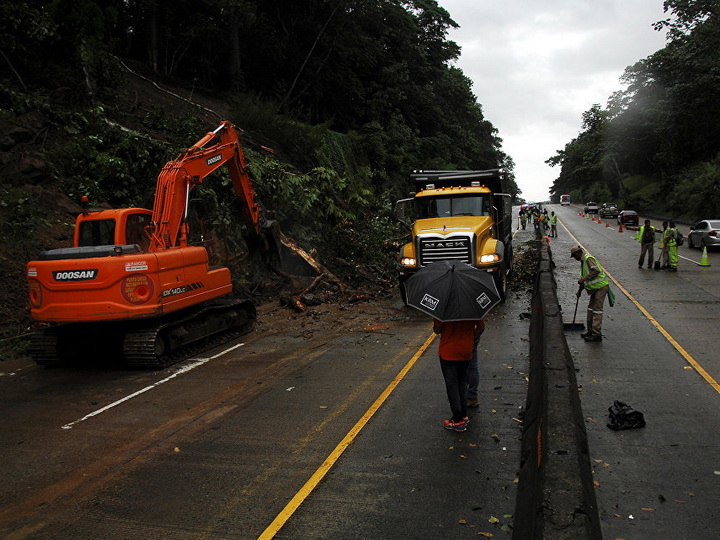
(500,279)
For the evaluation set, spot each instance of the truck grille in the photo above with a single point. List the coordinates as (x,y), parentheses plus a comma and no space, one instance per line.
(434,249)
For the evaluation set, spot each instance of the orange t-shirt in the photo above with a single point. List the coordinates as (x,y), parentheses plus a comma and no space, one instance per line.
(457,339)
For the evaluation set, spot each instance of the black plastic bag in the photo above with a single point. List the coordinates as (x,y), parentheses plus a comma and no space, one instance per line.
(623,416)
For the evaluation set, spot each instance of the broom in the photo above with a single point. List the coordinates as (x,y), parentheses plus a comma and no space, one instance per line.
(573,325)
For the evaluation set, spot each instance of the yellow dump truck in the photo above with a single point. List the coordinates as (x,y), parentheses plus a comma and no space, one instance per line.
(458,215)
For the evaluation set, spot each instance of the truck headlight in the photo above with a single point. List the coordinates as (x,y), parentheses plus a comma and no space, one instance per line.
(408,261)
(494,257)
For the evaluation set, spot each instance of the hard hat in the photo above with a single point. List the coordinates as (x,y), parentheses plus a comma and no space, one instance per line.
(576,249)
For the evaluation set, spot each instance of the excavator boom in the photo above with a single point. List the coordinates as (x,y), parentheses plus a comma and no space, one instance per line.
(178,178)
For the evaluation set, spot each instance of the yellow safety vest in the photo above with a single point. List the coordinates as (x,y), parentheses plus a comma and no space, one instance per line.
(600,281)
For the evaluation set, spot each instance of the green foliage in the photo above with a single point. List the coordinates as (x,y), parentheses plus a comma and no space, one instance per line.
(23,217)
(665,126)
(698,189)
(105,162)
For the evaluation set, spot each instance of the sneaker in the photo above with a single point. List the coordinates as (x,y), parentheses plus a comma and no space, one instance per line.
(456,426)
(472,403)
(593,338)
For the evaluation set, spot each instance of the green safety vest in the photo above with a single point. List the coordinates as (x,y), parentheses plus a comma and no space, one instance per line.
(670,237)
(600,281)
(641,233)
(553,220)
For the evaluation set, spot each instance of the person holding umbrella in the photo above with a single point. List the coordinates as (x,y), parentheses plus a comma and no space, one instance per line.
(457,343)
(457,296)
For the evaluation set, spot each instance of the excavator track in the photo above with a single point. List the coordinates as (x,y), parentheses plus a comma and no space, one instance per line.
(153,343)
(43,347)
(166,343)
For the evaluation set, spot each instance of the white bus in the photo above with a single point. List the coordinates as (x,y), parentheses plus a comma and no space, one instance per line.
(564,199)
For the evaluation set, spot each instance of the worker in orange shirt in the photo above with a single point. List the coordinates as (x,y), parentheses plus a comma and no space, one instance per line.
(457,343)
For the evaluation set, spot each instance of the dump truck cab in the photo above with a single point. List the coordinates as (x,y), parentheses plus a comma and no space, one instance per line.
(459,215)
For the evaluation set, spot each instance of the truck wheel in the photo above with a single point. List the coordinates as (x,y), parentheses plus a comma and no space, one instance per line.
(500,279)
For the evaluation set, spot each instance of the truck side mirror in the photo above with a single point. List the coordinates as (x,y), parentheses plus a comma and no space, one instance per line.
(404,210)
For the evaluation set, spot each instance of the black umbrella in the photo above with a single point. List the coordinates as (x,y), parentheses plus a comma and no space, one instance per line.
(452,291)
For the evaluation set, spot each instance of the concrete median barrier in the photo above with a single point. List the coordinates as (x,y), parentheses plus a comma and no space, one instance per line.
(556,496)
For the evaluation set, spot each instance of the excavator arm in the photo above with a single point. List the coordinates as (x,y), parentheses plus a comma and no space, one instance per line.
(177,179)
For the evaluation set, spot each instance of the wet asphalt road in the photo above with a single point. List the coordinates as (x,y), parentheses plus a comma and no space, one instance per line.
(662,480)
(220,450)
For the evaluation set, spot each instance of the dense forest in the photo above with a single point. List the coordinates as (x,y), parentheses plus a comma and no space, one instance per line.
(655,147)
(337,101)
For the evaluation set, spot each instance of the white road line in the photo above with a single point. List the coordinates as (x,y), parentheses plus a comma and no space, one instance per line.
(184,369)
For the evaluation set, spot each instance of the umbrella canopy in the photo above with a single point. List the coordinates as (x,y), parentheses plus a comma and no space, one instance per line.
(452,291)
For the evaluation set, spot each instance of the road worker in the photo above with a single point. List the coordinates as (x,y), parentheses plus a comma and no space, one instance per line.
(670,242)
(595,281)
(646,237)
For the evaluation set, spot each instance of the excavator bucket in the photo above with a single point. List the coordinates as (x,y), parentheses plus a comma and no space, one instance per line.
(294,260)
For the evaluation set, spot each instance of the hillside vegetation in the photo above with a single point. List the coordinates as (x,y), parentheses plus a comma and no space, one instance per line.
(656,146)
(336,102)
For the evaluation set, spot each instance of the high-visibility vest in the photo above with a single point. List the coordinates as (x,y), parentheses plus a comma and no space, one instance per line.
(641,233)
(670,237)
(553,220)
(600,281)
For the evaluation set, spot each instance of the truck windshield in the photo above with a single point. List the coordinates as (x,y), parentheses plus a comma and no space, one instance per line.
(455,205)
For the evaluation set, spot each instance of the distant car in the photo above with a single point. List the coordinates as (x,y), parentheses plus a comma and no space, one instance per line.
(628,217)
(705,233)
(591,207)
(608,210)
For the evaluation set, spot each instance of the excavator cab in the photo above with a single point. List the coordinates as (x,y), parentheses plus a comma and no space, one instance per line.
(126,226)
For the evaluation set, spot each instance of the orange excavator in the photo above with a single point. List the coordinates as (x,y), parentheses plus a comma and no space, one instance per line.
(131,282)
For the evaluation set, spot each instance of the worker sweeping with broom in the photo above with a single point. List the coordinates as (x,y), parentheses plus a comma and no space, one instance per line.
(595,281)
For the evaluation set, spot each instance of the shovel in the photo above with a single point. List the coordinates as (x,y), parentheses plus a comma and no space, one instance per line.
(573,325)
(657,263)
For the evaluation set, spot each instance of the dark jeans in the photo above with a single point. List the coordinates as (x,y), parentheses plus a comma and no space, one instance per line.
(473,376)
(455,373)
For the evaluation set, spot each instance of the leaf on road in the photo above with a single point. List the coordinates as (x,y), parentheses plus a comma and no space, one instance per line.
(495,436)
(486,535)
(493,519)
(462,522)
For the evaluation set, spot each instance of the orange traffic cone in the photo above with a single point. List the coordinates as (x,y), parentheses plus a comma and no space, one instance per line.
(607,223)
(704,259)
(620,229)
(600,221)
(592,219)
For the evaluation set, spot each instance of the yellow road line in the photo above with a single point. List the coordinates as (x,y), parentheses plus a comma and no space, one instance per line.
(667,335)
(705,375)
(315,479)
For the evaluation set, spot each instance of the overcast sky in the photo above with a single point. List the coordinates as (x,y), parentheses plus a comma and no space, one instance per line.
(537,65)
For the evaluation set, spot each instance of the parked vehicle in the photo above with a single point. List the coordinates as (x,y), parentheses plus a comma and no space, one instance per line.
(628,217)
(705,233)
(608,210)
(591,207)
